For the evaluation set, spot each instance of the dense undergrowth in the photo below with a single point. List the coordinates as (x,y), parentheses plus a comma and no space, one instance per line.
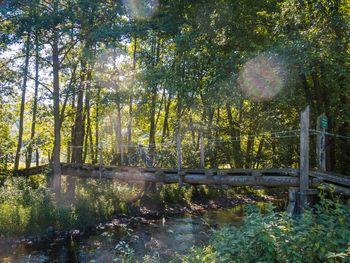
(321,235)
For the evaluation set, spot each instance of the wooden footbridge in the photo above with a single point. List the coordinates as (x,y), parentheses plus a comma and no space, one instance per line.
(302,182)
(231,177)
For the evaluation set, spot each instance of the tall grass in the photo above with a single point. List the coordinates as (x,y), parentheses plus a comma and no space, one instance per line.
(27,206)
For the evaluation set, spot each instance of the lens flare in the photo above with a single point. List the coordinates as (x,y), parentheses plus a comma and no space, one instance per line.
(141,9)
(262,77)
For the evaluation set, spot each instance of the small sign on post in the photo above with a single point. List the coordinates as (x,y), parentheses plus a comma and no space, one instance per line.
(323,121)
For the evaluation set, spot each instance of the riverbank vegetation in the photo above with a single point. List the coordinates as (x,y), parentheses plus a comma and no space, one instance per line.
(321,234)
(28,207)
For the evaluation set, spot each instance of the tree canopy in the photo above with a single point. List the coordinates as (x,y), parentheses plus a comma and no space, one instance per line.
(80,75)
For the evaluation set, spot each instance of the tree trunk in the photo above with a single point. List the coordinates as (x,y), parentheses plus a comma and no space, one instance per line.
(23,99)
(111,132)
(97,121)
(130,124)
(35,102)
(37,157)
(129,136)
(57,122)
(259,154)
(152,146)
(119,134)
(88,119)
(152,129)
(70,144)
(249,153)
(78,140)
(234,133)
(166,119)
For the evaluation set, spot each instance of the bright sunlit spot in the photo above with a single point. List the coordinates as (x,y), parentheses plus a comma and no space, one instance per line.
(262,77)
(141,9)
(112,70)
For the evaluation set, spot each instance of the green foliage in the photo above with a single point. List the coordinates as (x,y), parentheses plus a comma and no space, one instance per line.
(181,64)
(319,235)
(27,206)
(174,194)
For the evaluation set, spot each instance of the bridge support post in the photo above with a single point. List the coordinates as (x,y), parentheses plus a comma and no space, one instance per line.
(305,196)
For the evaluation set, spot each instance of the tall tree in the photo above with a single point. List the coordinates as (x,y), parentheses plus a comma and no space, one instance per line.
(23,100)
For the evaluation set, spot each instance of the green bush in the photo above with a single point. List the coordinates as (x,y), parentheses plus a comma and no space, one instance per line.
(321,235)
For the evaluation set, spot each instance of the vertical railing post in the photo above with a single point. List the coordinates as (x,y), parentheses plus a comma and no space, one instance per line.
(304,155)
(321,142)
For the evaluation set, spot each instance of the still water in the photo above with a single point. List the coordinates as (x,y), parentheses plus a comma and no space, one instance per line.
(162,240)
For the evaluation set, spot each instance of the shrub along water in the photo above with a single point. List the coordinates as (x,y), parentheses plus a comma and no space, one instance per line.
(318,235)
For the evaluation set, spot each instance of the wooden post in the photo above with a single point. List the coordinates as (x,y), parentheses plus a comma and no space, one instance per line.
(304,155)
(101,159)
(179,157)
(202,164)
(304,149)
(321,144)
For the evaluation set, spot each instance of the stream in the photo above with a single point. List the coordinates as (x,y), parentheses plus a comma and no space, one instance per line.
(162,240)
